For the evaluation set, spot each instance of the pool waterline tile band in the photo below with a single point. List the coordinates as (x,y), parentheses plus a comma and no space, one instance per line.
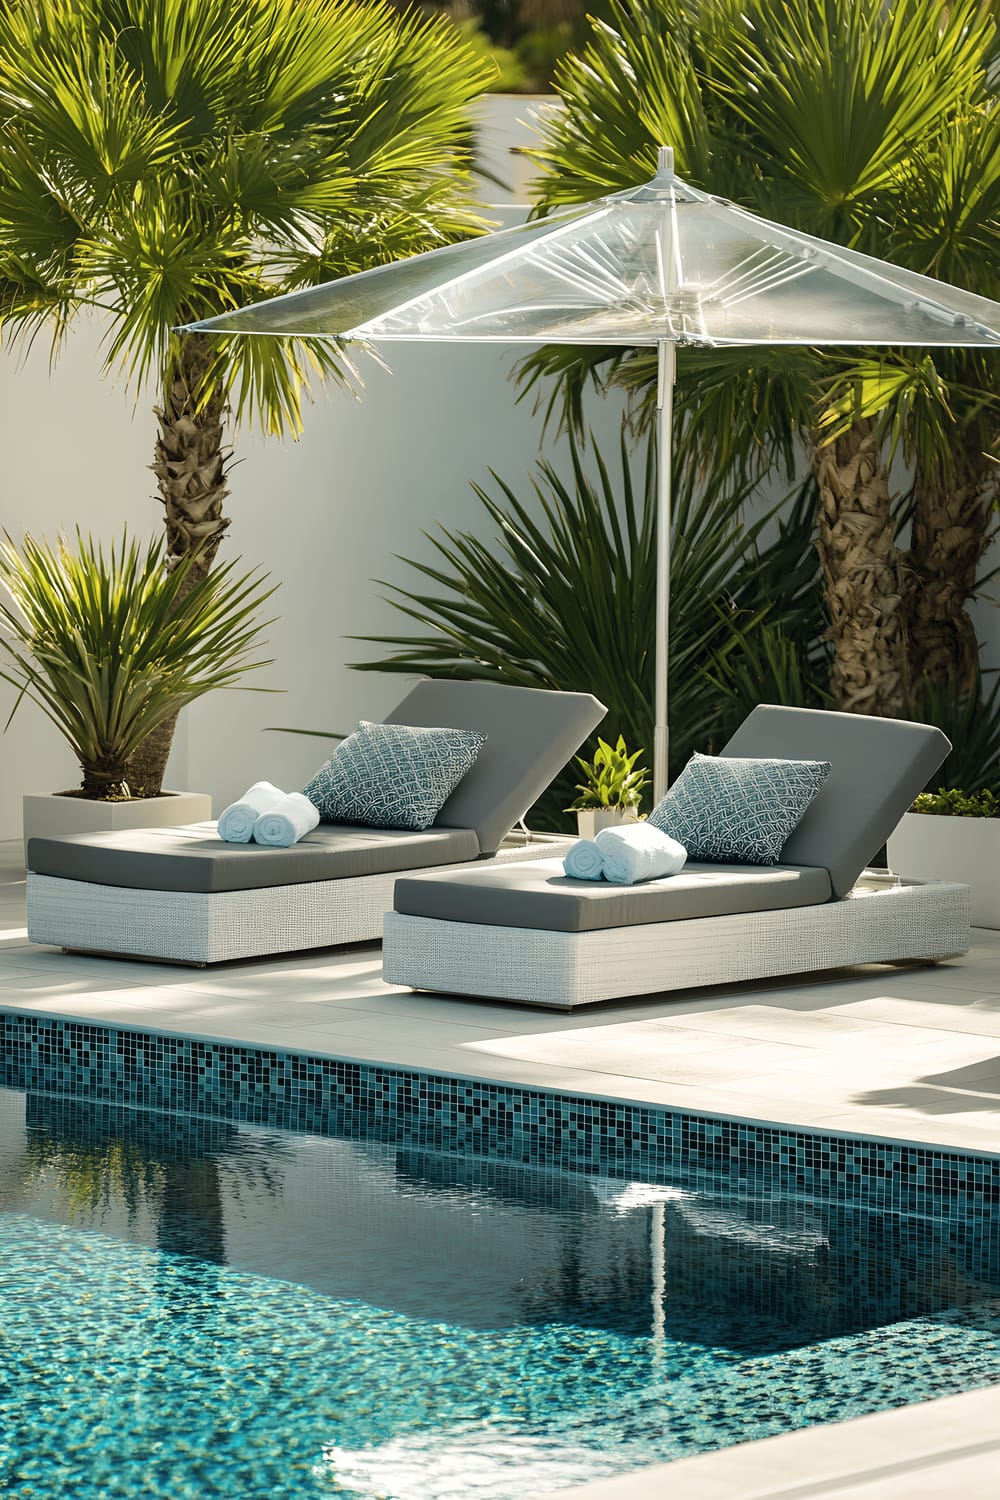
(322,1095)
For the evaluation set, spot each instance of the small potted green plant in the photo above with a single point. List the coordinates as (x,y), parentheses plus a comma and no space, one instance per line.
(953,835)
(611,789)
(109,645)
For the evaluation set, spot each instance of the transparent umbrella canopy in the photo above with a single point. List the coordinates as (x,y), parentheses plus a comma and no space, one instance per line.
(659,265)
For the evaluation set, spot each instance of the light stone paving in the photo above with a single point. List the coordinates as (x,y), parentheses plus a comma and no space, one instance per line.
(896,1053)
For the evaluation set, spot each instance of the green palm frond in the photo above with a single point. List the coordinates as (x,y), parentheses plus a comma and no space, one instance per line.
(925,402)
(740,410)
(167,161)
(946,203)
(557,377)
(835,93)
(765,665)
(638,79)
(562,595)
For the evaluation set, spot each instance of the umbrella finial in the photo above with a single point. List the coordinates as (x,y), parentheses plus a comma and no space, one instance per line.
(665,161)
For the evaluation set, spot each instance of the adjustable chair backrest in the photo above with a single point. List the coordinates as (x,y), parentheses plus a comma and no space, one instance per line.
(530,735)
(879,766)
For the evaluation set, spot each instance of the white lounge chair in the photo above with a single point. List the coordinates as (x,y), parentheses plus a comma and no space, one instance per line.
(525,932)
(184,895)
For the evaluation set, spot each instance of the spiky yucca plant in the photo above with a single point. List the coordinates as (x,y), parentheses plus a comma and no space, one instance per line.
(562,595)
(109,645)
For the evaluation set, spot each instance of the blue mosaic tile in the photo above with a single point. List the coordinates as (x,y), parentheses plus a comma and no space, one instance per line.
(502,1122)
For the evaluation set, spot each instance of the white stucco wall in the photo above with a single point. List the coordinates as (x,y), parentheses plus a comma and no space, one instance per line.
(506,124)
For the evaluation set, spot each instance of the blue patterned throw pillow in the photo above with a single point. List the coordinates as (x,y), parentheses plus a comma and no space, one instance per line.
(727,810)
(393,775)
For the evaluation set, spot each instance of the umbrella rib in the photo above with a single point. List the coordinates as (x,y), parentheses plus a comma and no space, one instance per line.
(576,278)
(675,234)
(695,333)
(825,255)
(603,269)
(730,281)
(661,269)
(573,276)
(547,307)
(369,328)
(767,284)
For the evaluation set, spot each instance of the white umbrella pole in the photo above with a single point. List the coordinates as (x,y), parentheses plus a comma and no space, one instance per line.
(666,371)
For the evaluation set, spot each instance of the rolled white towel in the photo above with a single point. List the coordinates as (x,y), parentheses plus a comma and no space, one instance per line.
(236,822)
(284,825)
(584,861)
(635,852)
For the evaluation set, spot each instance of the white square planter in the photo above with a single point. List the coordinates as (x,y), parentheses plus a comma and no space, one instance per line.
(49,815)
(967,850)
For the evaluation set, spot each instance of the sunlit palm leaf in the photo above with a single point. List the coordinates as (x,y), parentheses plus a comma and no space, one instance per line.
(166,161)
(660,104)
(836,93)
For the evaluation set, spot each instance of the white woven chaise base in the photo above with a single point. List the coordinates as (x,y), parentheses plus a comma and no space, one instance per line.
(194,927)
(565,969)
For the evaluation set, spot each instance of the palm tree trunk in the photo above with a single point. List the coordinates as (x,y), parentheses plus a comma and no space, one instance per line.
(190,464)
(952,515)
(148,763)
(105,780)
(191,1219)
(861,567)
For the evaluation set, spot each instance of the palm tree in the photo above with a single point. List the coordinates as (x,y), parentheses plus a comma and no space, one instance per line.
(945,408)
(161,161)
(865,124)
(880,125)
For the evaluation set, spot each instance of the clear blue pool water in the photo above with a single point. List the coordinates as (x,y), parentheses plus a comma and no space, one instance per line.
(192,1308)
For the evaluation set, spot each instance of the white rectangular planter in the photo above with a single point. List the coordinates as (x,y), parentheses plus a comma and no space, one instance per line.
(48,815)
(928,847)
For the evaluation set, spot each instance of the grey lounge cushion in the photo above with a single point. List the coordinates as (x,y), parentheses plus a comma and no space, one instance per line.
(194,858)
(531,733)
(538,894)
(393,775)
(878,767)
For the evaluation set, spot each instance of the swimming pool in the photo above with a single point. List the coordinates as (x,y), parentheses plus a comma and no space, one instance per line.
(351,1298)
